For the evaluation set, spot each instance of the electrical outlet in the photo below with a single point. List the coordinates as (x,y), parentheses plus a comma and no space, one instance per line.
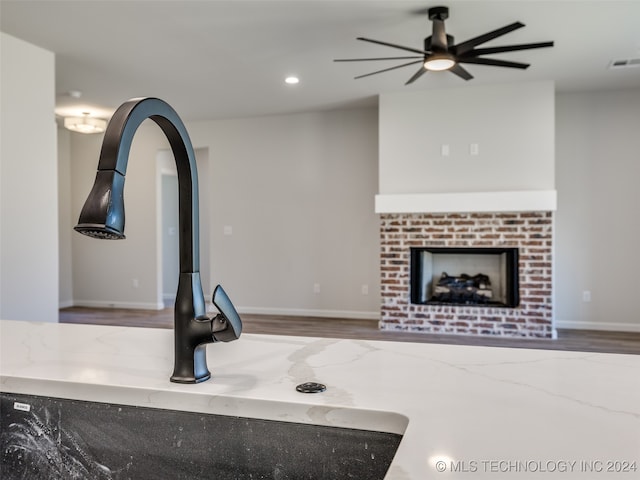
(316,288)
(586,296)
(474,149)
(227,230)
(365,289)
(445,150)
(135,282)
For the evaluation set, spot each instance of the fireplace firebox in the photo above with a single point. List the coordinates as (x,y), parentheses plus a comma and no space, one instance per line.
(464,276)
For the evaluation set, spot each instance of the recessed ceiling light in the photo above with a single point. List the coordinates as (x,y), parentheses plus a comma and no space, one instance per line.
(291,80)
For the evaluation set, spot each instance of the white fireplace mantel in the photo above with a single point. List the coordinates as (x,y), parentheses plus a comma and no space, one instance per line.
(520,201)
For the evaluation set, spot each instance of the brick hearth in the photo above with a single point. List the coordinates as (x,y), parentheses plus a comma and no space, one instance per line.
(530,232)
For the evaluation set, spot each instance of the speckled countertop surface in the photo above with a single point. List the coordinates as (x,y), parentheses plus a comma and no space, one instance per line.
(465,412)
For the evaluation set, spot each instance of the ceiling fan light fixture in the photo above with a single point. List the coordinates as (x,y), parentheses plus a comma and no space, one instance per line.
(85,124)
(439,62)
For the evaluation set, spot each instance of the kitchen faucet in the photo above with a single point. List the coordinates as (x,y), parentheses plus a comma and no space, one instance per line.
(103,217)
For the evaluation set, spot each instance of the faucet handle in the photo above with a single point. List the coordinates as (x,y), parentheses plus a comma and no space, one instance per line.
(227,325)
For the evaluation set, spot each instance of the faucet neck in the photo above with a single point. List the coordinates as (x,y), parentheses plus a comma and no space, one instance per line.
(115,154)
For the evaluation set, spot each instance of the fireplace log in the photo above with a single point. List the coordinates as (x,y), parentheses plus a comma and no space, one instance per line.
(463,289)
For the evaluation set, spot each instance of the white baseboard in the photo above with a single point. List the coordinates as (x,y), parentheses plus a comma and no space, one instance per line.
(613,327)
(117,304)
(301,312)
(66,304)
(374,316)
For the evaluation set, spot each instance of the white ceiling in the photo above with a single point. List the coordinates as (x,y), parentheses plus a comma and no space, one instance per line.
(221,59)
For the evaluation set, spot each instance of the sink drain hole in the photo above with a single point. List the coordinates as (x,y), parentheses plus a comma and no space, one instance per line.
(311,387)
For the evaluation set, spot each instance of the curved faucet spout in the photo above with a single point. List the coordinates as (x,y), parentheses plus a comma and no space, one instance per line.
(103,214)
(103,217)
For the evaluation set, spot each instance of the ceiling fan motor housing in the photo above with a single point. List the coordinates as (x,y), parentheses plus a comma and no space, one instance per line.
(427,42)
(438,13)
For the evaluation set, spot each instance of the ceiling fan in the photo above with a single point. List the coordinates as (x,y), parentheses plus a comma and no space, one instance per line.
(440,53)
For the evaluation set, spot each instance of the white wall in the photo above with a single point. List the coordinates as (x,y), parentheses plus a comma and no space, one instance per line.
(28,183)
(513,125)
(297,191)
(597,222)
(66,223)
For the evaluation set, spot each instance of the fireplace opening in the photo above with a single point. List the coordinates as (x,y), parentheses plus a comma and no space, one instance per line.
(464,276)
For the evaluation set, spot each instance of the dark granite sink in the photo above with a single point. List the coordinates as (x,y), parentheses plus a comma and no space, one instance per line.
(51,438)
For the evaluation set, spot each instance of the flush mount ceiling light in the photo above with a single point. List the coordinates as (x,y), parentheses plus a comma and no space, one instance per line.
(291,80)
(85,124)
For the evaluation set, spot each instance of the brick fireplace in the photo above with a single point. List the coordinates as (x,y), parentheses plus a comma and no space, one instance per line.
(530,232)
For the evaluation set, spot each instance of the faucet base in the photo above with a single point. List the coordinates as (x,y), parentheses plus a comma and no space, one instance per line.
(196,372)
(191,380)
(192,331)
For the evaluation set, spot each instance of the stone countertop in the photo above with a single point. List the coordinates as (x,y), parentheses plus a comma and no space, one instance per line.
(473,412)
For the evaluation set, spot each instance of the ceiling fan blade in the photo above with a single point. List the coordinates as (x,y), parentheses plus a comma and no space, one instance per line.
(493,62)
(439,36)
(465,46)
(367,59)
(461,72)
(387,69)
(416,75)
(393,45)
(506,48)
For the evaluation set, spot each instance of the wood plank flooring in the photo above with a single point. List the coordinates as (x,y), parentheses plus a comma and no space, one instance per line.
(575,340)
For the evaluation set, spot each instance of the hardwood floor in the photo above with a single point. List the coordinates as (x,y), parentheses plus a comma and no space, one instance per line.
(576,340)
